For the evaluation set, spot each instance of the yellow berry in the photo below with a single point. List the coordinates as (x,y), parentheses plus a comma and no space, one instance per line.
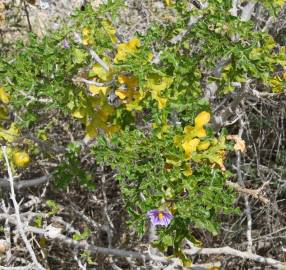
(21,158)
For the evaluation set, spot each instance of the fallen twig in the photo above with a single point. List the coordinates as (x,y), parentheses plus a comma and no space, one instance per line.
(26,183)
(147,257)
(255,193)
(237,253)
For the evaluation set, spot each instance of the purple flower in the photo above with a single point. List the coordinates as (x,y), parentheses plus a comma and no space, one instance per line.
(65,44)
(160,217)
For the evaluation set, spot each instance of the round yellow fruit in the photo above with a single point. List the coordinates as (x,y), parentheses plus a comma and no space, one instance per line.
(202,119)
(21,158)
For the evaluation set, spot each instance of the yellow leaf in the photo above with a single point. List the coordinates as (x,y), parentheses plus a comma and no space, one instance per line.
(101,73)
(79,113)
(276,84)
(4,96)
(177,140)
(214,141)
(130,81)
(3,113)
(190,146)
(157,83)
(85,41)
(105,111)
(93,126)
(110,30)
(133,43)
(91,132)
(200,132)
(168,2)
(42,135)
(126,49)
(150,56)
(189,129)
(279,2)
(110,130)
(191,132)
(161,102)
(255,53)
(86,31)
(11,134)
(97,122)
(203,145)
(133,107)
(121,94)
(202,119)
(270,43)
(187,170)
(98,89)
(165,128)
(21,158)
(97,101)
(131,97)
(173,160)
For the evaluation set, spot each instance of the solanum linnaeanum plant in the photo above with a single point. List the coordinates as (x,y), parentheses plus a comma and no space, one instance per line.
(139,100)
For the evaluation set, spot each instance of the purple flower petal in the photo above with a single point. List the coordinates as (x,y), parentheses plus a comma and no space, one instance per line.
(158,217)
(65,44)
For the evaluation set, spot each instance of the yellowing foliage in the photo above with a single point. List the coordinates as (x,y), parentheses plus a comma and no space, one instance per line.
(168,2)
(101,73)
(202,119)
(130,96)
(79,113)
(110,30)
(200,132)
(203,145)
(190,146)
(4,96)
(98,89)
(85,31)
(10,134)
(187,170)
(3,113)
(126,49)
(156,84)
(86,39)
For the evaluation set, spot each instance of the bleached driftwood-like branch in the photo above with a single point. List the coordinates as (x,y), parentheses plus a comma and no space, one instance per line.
(236,253)
(96,57)
(247,11)
(17,214)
